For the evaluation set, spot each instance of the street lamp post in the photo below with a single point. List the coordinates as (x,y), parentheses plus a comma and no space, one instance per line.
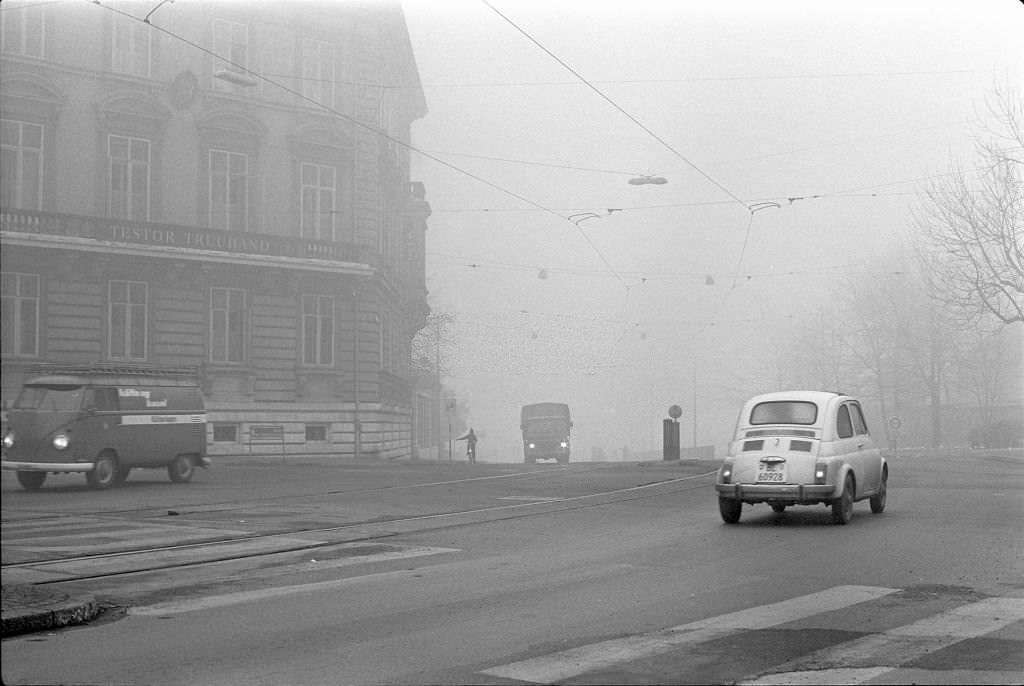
(355,373)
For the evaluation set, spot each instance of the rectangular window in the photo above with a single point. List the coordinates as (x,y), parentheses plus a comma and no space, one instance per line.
(20,314)
(225,433)
(229,190)
(227,325)
(129,178)
(23,30)
(784,412)
(318,201)
(844,427)
(318,71)
(316,433)
(127,325)
(318,330)
(21,164)
(131,46)
(860,427)
(231,50)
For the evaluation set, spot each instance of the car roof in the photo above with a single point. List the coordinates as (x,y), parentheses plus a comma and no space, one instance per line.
(820,398)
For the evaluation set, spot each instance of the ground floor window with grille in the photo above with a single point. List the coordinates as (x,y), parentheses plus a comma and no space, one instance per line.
(316,433)
(225,433)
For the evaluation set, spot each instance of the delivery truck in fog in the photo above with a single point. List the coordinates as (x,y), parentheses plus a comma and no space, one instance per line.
(546,428)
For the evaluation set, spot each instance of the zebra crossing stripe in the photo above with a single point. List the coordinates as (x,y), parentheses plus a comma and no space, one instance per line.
(866,658)
(575,661)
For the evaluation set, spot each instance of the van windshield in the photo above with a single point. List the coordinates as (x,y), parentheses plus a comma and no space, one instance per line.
(49,398)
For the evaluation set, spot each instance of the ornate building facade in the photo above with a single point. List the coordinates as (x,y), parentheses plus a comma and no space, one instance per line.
(220,185)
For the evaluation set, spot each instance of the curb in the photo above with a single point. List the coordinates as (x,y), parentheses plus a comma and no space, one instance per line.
(29,609)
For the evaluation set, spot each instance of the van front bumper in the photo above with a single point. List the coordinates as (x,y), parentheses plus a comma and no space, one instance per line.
(763,493)
(47,466)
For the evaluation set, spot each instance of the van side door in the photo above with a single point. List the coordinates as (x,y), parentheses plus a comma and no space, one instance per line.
(97,427)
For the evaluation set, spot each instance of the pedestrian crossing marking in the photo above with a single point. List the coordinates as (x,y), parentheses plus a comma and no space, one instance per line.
(575,661)
(866,658)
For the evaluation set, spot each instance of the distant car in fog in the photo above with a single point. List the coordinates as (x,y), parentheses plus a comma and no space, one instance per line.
(801,448)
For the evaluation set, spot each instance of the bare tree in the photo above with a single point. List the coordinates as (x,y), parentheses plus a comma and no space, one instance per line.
(971,235)
(430,351)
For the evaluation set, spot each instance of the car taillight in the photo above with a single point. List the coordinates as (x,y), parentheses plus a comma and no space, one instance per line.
(821,473)
(725,474)
(9,440)
(61,441)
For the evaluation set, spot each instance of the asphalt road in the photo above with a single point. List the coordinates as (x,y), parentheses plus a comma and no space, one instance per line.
(309,572)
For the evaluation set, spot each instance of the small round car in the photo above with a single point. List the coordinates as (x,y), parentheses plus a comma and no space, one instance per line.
(801,448)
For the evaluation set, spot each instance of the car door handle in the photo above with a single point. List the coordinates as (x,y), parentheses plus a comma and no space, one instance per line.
(859,446)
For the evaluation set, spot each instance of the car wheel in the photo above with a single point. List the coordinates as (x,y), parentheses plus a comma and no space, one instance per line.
(181,468)
(104,473)
(31,481)
(878,500)
(842,507)
(730,509)
(779,508)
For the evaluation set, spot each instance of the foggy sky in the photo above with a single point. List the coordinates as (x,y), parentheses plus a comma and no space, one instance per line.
(837,114)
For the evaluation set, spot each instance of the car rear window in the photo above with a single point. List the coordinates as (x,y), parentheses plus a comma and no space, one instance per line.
(784,412)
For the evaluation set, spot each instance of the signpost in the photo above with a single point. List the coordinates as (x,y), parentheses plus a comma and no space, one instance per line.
(670,428)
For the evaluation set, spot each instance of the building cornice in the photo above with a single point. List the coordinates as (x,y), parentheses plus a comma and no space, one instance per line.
(93,245)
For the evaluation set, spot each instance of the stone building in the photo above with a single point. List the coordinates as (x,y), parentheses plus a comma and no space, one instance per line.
(220,185)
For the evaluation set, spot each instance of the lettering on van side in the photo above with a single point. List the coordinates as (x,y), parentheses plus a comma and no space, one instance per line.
(163,419)
(132,393)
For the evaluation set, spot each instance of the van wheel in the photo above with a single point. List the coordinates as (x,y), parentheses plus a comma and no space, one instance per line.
(181,468)
(778,508)
(31,481)
(104,474)
(122,474)
(842,507)
(730,509)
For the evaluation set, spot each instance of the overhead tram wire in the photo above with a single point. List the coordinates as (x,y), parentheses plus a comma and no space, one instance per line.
(618,107)
(241,68)
(751,209)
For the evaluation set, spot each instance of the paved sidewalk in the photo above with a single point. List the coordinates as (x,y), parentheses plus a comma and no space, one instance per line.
(28,609)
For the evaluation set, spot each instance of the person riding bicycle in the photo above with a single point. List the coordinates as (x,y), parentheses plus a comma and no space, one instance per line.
(471,446)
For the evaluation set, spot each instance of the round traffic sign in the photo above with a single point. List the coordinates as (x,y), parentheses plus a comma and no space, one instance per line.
(675,412)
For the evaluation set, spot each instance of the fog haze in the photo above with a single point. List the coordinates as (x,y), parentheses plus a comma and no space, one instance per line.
(795,139)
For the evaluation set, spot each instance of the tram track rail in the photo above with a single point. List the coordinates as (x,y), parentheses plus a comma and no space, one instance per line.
(149,559)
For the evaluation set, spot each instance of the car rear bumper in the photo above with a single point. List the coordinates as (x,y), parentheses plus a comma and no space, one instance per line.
(47,466)
(762,493)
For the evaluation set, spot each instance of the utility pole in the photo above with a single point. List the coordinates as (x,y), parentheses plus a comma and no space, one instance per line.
(437,385)
(355,373)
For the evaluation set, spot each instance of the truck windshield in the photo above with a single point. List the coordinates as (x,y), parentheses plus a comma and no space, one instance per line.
(49,398)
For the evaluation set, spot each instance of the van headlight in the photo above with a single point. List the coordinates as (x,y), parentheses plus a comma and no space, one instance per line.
(565,444)
(532,446)
(61,441)
(9,439)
